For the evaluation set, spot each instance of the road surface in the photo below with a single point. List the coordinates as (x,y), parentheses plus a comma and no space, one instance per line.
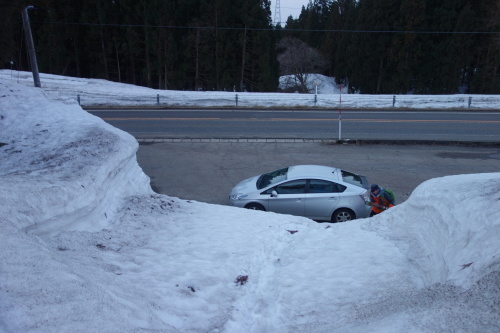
(477,126)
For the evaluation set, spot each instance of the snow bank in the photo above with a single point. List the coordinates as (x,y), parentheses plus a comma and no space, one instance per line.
(451,235)
(448,231)
(63,167)
(96,92)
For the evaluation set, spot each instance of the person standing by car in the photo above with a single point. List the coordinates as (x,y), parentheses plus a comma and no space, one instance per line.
(380,199)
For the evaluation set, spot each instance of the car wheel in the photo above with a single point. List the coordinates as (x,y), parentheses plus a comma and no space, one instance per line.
(255,206)
(343,215)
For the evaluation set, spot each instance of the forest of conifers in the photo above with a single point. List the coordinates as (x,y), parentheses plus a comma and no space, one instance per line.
(375,46)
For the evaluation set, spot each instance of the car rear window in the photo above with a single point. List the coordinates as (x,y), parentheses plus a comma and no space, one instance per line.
(271,178)
(355,179)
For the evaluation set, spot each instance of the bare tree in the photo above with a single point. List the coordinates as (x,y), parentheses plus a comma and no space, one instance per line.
(297,60)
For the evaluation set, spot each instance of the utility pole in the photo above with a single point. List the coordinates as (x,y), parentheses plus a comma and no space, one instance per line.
(31,47)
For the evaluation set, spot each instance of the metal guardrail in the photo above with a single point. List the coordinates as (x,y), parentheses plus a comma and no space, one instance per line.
(345,101)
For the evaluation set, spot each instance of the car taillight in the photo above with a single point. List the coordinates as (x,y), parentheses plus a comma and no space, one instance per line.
(365,197)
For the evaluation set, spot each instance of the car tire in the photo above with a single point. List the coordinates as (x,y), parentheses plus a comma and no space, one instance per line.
(343,215)
(255,206)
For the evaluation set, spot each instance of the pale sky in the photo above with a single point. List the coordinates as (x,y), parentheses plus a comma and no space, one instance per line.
(288,7)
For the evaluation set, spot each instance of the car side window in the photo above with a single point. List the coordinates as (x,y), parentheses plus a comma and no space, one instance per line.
(323,186)
(291,187)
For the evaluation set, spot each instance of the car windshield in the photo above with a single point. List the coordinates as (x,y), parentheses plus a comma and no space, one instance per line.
(354,179)
(271,178)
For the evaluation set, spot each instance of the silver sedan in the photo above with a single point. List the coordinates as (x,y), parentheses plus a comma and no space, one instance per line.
(321,193)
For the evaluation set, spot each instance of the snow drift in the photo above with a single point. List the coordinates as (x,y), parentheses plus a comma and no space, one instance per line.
(86,246)
(62,167)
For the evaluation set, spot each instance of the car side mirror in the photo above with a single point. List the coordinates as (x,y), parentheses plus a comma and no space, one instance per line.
(274,194)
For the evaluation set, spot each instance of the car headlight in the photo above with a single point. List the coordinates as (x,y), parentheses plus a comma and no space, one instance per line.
(238,196)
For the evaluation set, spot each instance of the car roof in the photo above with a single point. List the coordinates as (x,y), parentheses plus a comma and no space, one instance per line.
(312,171)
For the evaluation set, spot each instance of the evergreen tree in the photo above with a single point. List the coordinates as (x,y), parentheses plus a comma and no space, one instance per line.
(391,46)
(348,12)
(485,76)
(10,22)
(407,48)
(377,46)
(370,66)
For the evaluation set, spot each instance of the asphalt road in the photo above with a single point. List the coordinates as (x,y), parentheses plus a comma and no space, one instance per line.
(477,126)
(206,171)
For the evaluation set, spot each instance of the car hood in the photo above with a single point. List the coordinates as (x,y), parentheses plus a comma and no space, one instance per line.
(246,186)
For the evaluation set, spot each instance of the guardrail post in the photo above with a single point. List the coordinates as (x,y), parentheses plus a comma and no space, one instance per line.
(236,99)
(78,99)
(158,99)
(393,100)
(315,99)
(470,100)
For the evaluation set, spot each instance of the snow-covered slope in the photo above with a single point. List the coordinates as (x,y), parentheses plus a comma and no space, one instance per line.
(452,231)
(62,167)
(86,246)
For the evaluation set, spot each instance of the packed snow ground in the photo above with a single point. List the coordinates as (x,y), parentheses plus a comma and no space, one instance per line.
(95,92)
(87,246)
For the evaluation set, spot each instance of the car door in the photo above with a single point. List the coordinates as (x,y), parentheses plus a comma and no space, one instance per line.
(322,199)
(289,197)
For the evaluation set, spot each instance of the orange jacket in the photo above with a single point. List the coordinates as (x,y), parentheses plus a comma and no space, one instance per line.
(380,202)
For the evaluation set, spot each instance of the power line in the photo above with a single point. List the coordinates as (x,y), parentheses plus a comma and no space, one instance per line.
(271,29)
(398,31)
